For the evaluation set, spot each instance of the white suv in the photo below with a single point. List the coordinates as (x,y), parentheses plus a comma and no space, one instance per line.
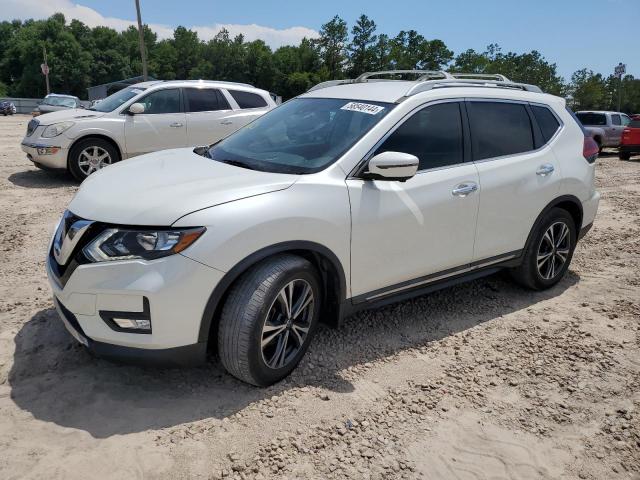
(143,118)
(348,197)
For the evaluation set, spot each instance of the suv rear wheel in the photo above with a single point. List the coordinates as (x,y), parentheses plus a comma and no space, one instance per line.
(269,319)
(89,155)
(549,253)
(624,155)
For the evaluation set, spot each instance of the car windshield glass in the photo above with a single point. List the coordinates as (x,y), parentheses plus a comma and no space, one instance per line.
(112,102)
(304,135)
(59,101)
(592,118)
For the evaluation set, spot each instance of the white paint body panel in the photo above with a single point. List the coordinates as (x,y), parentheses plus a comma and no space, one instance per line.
(381,232)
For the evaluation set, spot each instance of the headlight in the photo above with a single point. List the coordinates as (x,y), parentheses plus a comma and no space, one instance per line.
(117,244)
(56,129)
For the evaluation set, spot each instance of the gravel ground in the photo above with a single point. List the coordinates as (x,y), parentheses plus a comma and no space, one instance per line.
(483,380)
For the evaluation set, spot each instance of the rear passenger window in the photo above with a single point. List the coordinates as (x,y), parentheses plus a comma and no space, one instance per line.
(434,135)
(204,100)
(248,99)
(547,121)
(616,120)
(499,128)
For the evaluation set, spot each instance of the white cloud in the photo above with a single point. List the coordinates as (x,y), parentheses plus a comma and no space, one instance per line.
(24,9)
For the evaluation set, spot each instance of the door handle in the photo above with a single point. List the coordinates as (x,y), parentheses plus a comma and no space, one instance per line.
(226,122)
(545,169)
(175,125)
(464,189)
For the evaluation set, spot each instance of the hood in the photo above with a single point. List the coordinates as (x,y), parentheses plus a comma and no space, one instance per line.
(159,188)
(64,114)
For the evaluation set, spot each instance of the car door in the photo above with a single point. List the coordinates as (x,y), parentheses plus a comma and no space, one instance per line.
(404,232)
(518,170)
(614,132)
(160,126)
(209,115)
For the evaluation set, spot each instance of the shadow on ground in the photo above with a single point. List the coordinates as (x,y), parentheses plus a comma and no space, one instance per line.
(56,380)
(37,178)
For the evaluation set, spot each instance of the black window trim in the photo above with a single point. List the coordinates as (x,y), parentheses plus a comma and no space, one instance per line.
(220,95)
(534,124)
(360,168)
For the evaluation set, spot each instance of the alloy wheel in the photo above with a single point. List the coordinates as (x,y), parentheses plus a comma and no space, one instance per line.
(93,158)
(553,250)
(287,324)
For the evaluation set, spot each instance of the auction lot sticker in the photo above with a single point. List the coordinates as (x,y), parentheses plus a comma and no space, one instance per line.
(362,107)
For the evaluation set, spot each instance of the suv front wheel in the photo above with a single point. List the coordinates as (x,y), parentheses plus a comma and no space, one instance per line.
(269,319)
(549,252)
(90,155)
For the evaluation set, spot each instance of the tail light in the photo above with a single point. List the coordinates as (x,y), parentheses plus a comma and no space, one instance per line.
(590,149)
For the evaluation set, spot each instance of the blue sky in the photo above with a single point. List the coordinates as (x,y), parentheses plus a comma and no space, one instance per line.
(574,34)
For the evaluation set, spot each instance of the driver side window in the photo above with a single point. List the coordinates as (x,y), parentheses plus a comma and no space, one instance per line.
(434,135)
(162,101)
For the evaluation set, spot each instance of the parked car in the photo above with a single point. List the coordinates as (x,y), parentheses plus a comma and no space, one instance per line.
(347,197)
(7,108)
(630,144)
(605,127)
(140,119)
(55,102)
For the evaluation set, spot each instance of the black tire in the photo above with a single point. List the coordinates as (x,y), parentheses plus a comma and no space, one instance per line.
(527,273)
(80,146)
(249,303)
(624,155)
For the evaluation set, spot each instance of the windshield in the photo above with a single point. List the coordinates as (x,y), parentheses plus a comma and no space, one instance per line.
(304,135)
(112,102)
(593,119)
(59,102)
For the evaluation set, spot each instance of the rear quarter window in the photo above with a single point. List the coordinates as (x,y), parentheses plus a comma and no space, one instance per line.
(547,121)
(248,99)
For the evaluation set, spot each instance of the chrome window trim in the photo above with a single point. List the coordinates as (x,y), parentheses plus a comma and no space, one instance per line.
(518,102)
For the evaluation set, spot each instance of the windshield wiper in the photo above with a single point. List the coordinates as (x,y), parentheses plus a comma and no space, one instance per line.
(238,163)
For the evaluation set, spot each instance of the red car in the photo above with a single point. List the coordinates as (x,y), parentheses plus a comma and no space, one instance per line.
(630,142)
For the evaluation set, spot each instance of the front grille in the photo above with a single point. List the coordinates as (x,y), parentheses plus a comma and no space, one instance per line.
(31,127)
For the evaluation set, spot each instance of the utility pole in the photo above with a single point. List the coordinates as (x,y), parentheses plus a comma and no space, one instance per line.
(45,68)
(619,71)
(143,54)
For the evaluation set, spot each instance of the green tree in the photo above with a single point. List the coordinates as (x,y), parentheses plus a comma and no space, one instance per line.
(362,46)
(589,90)
(332,41)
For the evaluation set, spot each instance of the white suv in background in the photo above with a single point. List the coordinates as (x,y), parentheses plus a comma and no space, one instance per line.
(143,118)
(350,196)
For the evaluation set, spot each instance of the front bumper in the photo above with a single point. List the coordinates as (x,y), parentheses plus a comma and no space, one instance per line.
(50,155)
(175,288)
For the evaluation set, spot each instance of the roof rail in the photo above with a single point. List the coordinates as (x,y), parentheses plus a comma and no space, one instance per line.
(482,76)
(423,74)
(463,82)
(430,79)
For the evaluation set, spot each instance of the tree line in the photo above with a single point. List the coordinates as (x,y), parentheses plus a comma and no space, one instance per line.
(79,56)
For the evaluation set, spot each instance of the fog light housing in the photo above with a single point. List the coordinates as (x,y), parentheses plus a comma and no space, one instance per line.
(132,323)
(48,150)
(129,322)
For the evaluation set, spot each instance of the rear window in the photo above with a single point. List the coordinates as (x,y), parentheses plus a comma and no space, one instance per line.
(592,119)
(547,121)
(248,99)
(498,129)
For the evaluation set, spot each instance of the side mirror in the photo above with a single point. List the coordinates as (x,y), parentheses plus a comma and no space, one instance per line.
(136,108)
(392,166)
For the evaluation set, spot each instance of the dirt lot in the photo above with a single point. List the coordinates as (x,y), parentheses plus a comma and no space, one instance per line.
(484,380)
